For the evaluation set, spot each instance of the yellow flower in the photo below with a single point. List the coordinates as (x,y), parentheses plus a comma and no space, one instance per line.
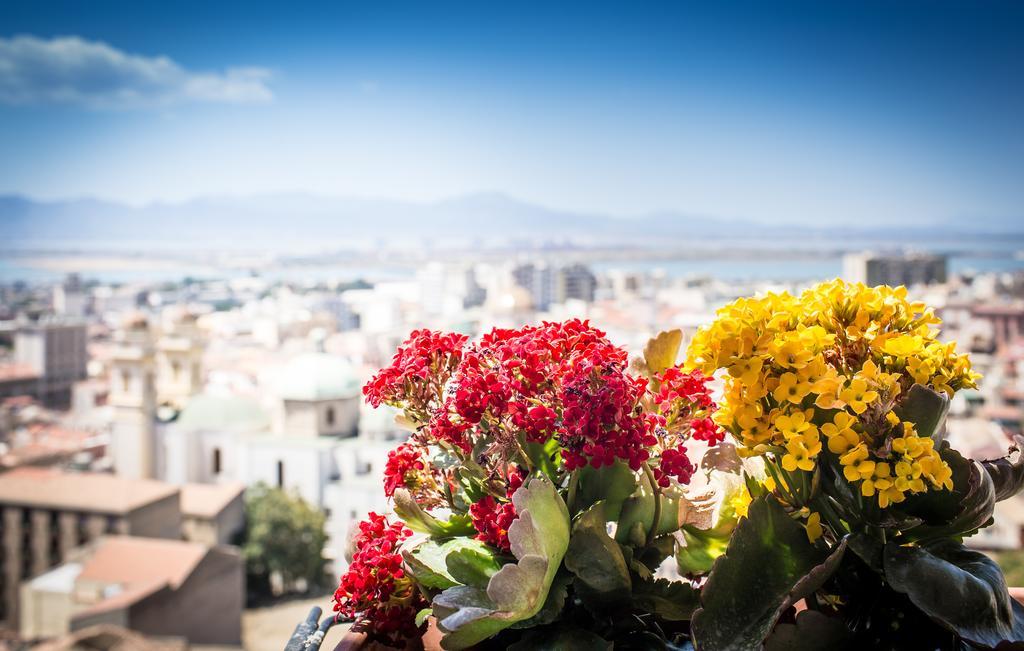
(840,434)
(816,338)
(791,388)
(740,502)
(828,390)
(858,396)
(791,353)
(795,424)
(903,345)
(848,348)
(856,464)
(801,451)
(747,370)
(878,480)
(920,369)
(813,526)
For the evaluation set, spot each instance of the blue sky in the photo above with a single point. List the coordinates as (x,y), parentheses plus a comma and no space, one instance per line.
(784,111)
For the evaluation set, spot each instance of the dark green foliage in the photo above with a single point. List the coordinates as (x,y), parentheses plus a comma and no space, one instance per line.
(753,583)
(284,538)
(961,589)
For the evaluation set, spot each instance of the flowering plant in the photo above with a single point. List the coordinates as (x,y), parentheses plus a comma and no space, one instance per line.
(841,394)
(546,480)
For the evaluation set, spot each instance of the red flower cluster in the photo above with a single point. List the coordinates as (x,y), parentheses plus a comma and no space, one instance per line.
(600,418)
(705,429)
(674,463)
(403,463)
(689,390)
(375,590)
(415,379)
(492,518)
(560,381)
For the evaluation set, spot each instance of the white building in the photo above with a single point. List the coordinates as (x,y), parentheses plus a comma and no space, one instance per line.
(301,434)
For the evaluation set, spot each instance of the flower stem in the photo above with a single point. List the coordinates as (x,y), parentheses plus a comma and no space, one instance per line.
(656,491)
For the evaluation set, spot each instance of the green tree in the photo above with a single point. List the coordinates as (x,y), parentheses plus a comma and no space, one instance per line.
(283,542)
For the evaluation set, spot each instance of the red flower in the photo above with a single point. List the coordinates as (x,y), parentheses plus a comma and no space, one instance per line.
(404,462)
(375,590)
(417,374)
(675,464)
(492,518)
(601,421)
(705,429)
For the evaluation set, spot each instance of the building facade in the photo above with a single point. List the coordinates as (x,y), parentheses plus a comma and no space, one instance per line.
(909,269)
(46,514)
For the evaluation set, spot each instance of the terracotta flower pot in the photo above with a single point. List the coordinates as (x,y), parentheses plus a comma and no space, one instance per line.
(431,641)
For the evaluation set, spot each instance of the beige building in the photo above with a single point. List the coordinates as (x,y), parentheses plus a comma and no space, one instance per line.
(212,514)
(45,514)
(155,587)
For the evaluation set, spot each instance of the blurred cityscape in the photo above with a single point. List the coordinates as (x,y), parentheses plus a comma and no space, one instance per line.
(219,219)
(136,415)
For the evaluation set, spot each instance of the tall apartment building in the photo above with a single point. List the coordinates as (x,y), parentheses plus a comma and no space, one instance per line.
(907,269)
(550,284)
(45,514)
(55,351)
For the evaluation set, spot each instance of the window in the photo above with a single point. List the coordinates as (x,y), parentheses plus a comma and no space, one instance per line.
(280,474)
(329,416)
(216,461)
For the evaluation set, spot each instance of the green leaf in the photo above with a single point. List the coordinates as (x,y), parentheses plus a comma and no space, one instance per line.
(699,548)
(472,562)
(442,564)
(812,631)
(539,536)
(661,351)
(426,561)
(612,484)
(672,601)
(419,520)
(561,638)
(553,605)
(960,589)
(768,565)
(926,409)
(543,456)
(602,575)
(868,548)
(422,616)
(637,515)
(1007,473)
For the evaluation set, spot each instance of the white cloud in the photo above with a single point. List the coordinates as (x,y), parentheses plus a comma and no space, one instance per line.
(72,70)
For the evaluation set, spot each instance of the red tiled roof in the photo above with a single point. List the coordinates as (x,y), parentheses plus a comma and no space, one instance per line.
(208,500)
(135,562)
(93,492)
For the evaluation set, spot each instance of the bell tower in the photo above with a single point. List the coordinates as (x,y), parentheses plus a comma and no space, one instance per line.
(179,361)
(133,398)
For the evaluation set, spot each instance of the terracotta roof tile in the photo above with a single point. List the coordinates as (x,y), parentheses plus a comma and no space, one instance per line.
(91,492)
(135,562)
(208,500)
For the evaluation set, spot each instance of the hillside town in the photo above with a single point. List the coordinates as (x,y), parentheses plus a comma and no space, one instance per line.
(136,418)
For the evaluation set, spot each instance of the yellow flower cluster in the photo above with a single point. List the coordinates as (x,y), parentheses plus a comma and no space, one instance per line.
(825,371)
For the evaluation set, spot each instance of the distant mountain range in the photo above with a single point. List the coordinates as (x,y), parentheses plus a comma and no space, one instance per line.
(282,217)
